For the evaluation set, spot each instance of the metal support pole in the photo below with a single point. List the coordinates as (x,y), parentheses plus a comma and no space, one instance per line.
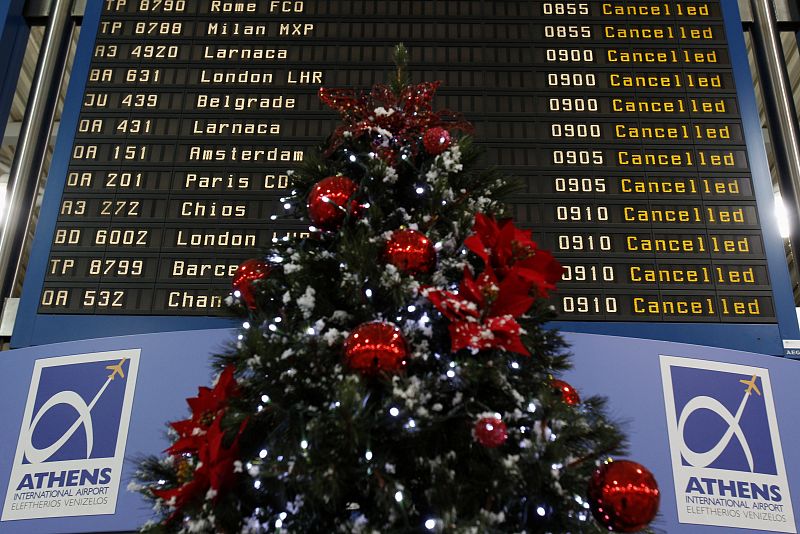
(34,136)
(781,114)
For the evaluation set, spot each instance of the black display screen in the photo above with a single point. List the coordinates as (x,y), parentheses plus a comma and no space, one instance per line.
(621,118)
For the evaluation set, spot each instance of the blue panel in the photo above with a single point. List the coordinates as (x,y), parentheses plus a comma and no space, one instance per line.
(32,328)
(172,366)
(13,39)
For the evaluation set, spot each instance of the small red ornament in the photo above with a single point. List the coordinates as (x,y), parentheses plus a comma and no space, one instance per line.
(410,251)
(374,347)
(327,200)
(490,432)
(624,496)
(436,140)
(568,393)
(248,272)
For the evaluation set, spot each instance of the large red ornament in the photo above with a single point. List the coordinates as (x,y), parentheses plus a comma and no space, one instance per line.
(490,432)
(248,272)
(568,393)
(624,496)
(328,199)
(436,140)
(410,251)
(374,347)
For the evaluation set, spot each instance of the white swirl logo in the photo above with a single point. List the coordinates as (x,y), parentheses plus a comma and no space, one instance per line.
(36,455)
(706,458)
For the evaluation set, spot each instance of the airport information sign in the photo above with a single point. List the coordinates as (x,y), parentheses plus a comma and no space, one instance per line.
(621,118)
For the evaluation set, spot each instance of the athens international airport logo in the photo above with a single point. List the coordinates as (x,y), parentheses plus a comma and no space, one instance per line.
(725,448)
(72,442)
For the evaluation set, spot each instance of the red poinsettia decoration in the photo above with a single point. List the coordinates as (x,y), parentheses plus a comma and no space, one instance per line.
(509,250)
(202,443)
(216,471)
(206,408)
(483,313)
(389,120)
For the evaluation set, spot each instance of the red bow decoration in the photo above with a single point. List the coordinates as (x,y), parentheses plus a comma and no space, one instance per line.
(388,119)
(508,250)
(482,314)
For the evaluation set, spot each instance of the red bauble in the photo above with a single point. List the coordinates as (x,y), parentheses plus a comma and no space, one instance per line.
(568,393)
(327,201)
(374,347)
(436,141)
(248,272)
(490,432)
(410,251)
(624,496)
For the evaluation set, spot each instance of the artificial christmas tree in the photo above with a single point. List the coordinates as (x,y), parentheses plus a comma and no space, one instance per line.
(392,373)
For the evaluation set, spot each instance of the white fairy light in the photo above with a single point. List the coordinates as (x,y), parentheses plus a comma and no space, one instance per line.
(262,454)
(430,524)
(368,455)
(394,412)
(304,444)
(398,496)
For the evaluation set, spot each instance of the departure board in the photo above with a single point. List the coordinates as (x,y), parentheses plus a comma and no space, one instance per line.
(621,118)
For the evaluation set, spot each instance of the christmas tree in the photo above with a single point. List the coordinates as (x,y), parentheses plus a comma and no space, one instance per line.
(393,373)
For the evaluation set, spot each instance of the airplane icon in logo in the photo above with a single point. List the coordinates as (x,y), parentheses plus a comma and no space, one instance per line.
(117,370)
(751,386)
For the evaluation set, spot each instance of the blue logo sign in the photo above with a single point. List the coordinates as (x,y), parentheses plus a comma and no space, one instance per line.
(722,420)
(725,446)
(77,412)
(71,445)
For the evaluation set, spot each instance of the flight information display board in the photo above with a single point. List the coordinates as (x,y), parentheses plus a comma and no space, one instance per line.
(622,119)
